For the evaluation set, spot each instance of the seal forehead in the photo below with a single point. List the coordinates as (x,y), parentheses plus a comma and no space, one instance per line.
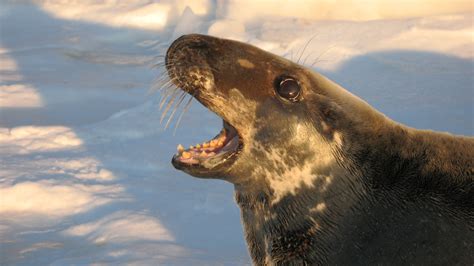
(245,63)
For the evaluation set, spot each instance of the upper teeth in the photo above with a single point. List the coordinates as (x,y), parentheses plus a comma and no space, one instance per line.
(202,150)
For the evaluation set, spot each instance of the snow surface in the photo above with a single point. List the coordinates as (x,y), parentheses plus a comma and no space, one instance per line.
(85,173)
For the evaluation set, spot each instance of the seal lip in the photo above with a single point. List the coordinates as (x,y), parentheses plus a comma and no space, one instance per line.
(217,160)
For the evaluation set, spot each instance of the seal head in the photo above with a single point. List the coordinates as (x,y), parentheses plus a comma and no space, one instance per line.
(274,111)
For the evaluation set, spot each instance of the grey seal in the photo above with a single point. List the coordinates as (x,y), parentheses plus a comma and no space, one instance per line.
(320,176)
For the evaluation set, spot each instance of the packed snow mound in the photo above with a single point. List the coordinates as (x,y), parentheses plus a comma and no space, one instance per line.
(156,15)
(141,14)
(52,200)
(122,226)
(29,139)
(249,10)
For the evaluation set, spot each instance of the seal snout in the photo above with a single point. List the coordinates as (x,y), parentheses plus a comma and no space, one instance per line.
(186,63)
(191,66)
(190,41)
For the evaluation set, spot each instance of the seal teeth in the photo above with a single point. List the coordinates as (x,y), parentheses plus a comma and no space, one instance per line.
(186,155)
(205,145)
(180,148)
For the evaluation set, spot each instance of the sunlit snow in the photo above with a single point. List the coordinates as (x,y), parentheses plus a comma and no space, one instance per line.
(85,173)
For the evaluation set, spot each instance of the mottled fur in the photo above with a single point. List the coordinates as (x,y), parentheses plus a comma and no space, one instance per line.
(329,180)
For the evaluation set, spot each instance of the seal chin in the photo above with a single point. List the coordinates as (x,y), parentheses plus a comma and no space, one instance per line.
(211,158)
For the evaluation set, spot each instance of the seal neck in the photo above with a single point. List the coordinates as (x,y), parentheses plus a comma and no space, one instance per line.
(304,225)
(378,178)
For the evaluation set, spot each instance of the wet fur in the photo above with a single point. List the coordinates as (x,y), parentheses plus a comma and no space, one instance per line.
(367,190)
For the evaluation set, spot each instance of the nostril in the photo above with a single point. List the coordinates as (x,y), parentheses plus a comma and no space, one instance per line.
(193,41)
(197,44)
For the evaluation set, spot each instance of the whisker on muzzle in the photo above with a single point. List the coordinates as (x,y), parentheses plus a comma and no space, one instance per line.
(159,83)
(171,97)
(176,106)
(186,108)
(165,89)
(175,92)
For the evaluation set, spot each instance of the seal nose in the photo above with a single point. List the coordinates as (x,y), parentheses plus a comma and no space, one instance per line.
(190,41)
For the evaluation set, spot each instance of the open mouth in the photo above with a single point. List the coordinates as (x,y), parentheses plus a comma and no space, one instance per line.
(190,71)
(219,152)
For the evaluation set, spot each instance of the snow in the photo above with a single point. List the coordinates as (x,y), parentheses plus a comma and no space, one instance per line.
(248,10)
(85,173)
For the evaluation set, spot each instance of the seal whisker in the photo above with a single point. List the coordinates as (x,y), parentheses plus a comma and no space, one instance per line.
(186,108)
(176,106)
(323,53)
(158,65)
(165,85)
(163,64)
(175,94)
(304,48)
(158,81)
(162,61)
(306,58)
(167,93)
(156,87)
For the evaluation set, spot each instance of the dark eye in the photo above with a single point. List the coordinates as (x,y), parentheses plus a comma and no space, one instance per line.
(288,88)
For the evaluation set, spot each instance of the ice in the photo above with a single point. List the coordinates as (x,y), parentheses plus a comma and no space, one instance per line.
(85,173)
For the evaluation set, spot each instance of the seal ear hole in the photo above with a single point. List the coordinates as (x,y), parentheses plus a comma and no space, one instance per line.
(288,88)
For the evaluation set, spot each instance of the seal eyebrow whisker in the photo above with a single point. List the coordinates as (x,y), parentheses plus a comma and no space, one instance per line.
(291,55)
(306,58)
(323,53)
(176,106)
(304,48)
